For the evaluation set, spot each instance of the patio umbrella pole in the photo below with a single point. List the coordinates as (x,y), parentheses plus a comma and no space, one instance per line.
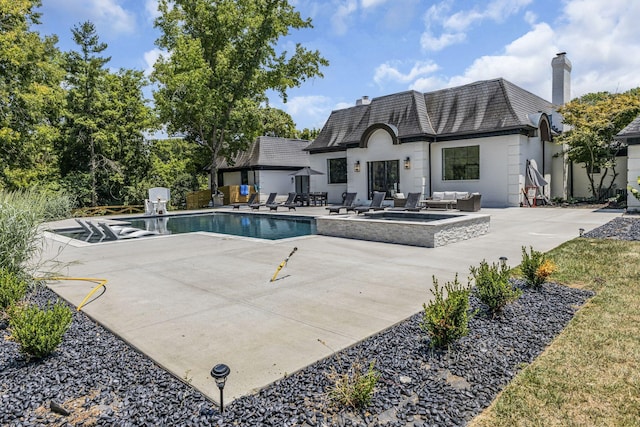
(282,264)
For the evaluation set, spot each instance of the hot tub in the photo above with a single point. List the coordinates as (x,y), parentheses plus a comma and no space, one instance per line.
(406,228)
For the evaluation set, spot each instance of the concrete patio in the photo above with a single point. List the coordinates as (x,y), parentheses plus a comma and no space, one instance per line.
(190,301)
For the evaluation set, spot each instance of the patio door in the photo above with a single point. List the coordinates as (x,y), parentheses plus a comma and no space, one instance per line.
(384,176)
(302,184)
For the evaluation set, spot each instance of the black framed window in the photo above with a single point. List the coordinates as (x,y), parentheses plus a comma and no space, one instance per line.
(337,170)
(459,163)
(244,177)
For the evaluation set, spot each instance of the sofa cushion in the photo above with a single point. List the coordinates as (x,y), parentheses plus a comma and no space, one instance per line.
(437,195)
(449,195)
(461,195)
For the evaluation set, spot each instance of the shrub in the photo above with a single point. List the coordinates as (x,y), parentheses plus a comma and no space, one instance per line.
(355,387)
(493,287)
(12,288)
(39,331)
(447,319)
(21,213)
(535,267)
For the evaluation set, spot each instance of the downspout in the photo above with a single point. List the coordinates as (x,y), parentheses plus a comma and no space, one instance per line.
(430,168)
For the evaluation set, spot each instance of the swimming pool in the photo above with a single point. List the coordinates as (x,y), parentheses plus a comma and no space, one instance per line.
(269,227)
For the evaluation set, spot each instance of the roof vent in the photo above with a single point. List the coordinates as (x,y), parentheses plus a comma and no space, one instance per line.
(363,101)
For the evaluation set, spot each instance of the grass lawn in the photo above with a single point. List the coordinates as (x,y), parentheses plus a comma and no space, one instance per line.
(590,375)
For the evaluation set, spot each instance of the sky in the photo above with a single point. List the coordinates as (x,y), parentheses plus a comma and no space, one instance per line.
(380,47)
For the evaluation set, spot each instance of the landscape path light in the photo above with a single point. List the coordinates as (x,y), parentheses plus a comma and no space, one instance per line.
(220,372)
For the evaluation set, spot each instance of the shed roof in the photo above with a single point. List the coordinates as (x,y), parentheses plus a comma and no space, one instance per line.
(270,151)
(476,108)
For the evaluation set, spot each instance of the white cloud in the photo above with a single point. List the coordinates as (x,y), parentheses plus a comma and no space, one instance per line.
(600,38)
(151,7)
(389,72)
(340,18)
(429,42)
(150,58)
(308,111)
(112,16)
(371,3)
(452,28)
(109,16)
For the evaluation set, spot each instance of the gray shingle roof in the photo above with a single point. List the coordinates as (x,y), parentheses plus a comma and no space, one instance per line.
(480,107)
(632,130)
(271,151)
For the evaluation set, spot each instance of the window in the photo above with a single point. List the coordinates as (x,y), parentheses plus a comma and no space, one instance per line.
(337,170)
(244,177)
(461,163)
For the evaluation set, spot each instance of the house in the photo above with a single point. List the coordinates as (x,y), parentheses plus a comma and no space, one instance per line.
(477,137)
(631,136)
(267,165)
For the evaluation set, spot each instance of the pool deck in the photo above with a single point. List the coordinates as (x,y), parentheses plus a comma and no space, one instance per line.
(190,301)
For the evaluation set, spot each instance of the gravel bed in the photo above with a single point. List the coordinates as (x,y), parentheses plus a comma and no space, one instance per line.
(102,381)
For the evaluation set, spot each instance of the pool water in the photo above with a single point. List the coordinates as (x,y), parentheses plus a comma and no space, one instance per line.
(259,226)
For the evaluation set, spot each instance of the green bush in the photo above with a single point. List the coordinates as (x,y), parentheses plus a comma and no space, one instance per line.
(535,267)
(39,331)
(492,285)
(12,288)
(21,213)
(447,319)
(355,387)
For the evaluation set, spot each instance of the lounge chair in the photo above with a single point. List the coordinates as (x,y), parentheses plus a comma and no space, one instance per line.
(411,204)
(346,204)
(270,200)
(289,203)
(111,234)
(376,203)
(251,201)
(469,204)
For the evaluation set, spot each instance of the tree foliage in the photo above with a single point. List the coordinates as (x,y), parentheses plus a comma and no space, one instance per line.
(221,59)
(102,152)
(595,119)
(30,97)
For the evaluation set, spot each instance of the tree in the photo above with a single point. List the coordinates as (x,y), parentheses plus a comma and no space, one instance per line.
(308,134)
(30,98)
(277,123)
(82,145)
(176,164)
(221,60)
(103,158)
(595,119)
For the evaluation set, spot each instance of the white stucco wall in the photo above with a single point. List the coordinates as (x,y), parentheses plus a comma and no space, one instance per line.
(581,186)
(633,167)
(320,183)
(275,181)
(502,168)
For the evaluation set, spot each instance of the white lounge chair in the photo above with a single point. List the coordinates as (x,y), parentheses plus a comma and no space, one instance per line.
(113,235)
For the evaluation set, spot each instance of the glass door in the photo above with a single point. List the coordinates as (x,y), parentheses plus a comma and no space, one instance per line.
(384,176)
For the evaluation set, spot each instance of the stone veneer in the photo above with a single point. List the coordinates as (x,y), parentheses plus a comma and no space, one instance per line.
(406,228)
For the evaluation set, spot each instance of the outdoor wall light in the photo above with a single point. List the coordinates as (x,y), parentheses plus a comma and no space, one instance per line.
(220,372)
(407,163)
(581,231)
(356,166)
(503,259)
